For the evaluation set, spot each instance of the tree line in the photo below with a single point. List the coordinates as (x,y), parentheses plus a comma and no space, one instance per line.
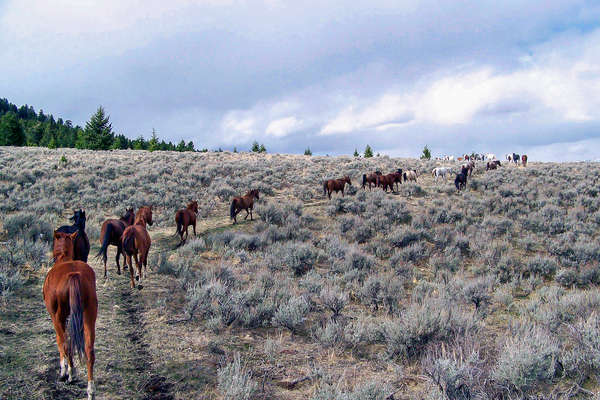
(23,126)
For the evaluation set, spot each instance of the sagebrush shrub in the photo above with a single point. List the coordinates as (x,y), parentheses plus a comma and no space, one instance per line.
(235,380)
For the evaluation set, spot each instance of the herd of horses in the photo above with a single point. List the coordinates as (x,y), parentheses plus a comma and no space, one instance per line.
(70,286)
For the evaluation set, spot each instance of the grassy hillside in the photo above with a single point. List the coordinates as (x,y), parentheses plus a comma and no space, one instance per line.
(427,293)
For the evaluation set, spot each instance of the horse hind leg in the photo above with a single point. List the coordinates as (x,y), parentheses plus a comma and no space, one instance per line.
(89,326)
(59,329)
(130,271)
(247,213)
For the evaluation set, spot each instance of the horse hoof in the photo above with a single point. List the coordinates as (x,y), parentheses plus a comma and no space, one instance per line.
(125,268)
(137,277)
(63,378)
(140,287)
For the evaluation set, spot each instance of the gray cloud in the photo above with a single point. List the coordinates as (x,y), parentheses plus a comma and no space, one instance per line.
(333,75)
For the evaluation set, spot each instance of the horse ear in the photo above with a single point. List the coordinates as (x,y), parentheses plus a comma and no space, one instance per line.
(73,236)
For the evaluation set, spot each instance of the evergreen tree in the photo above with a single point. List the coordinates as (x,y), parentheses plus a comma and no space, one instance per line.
(153,144)
(98,131)
(307,152)
(262,149)
(356,153)
(255,147)
(426,154)
(180,146)
(139,143)
(11,131)
(234,149)
(190,146)
(368,152)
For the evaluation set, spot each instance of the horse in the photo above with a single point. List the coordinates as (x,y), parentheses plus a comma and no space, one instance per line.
(492,165)
(70,294)
(515,158)
(245,202)
(461,179)
(186,217)
(489,157)
(371,179)
(470,166)
(136,242)
(388,180)
(82,244)
(440,171)
(410,175)
(335,185)
(110,234)
(524,160)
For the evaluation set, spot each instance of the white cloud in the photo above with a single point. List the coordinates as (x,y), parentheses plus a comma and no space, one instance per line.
(283,126)
(237,128)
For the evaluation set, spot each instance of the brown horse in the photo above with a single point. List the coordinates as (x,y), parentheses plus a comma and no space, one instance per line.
(186,217)
(370,179)
(245,202)
(136,242)
(70,293)
(335,185)
(112,230)
(524,160)
(388,180)
(492,165)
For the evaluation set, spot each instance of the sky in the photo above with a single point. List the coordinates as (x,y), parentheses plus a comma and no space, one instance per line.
(457,76)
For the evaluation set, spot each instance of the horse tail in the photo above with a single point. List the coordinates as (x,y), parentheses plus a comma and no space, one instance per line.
(105,242)
(364,180)
(324,188)
(76,343)
(178,218)
(232,208)
(129,242)
(405,179)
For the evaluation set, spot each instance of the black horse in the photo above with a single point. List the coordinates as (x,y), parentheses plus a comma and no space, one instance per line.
(81,246)
(516,158)
(461,179)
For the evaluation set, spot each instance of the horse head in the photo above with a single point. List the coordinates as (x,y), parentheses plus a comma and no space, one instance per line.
(64,246)
(193,206)
(347,180)
(129,216)
(256,194)
(145,213)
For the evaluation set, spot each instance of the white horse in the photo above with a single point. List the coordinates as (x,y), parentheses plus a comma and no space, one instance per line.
(440,171)
(489,157)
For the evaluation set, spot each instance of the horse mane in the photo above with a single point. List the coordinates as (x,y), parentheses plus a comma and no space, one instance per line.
(61,251)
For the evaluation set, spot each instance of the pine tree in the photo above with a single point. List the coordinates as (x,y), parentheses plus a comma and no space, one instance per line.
(139,143)
(426,154)
(11,131)
(98,131)
(153,143)
(368,152)
(234,149)
(262,149)
(356,153)
(255,147)
(307,152)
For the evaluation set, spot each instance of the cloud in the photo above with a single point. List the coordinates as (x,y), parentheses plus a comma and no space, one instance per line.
(283,126)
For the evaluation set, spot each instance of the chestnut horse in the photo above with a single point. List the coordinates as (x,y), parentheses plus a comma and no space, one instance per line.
(112,230)
(335,185)
(82,243)
(70,294)
(245,202)
(388,180)
(524,160)
(186,217)
(136,242)
(371,179)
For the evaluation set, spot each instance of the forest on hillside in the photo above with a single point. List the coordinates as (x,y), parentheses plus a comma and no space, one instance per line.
(23,126)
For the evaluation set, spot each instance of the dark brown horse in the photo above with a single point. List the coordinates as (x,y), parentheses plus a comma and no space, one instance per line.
(186,217)
(524,160)
(388,180)
(136,242)
(245,202)
(112,230)
(492,165)
(335,185)
(370,179)
(82,243)
(70,294)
